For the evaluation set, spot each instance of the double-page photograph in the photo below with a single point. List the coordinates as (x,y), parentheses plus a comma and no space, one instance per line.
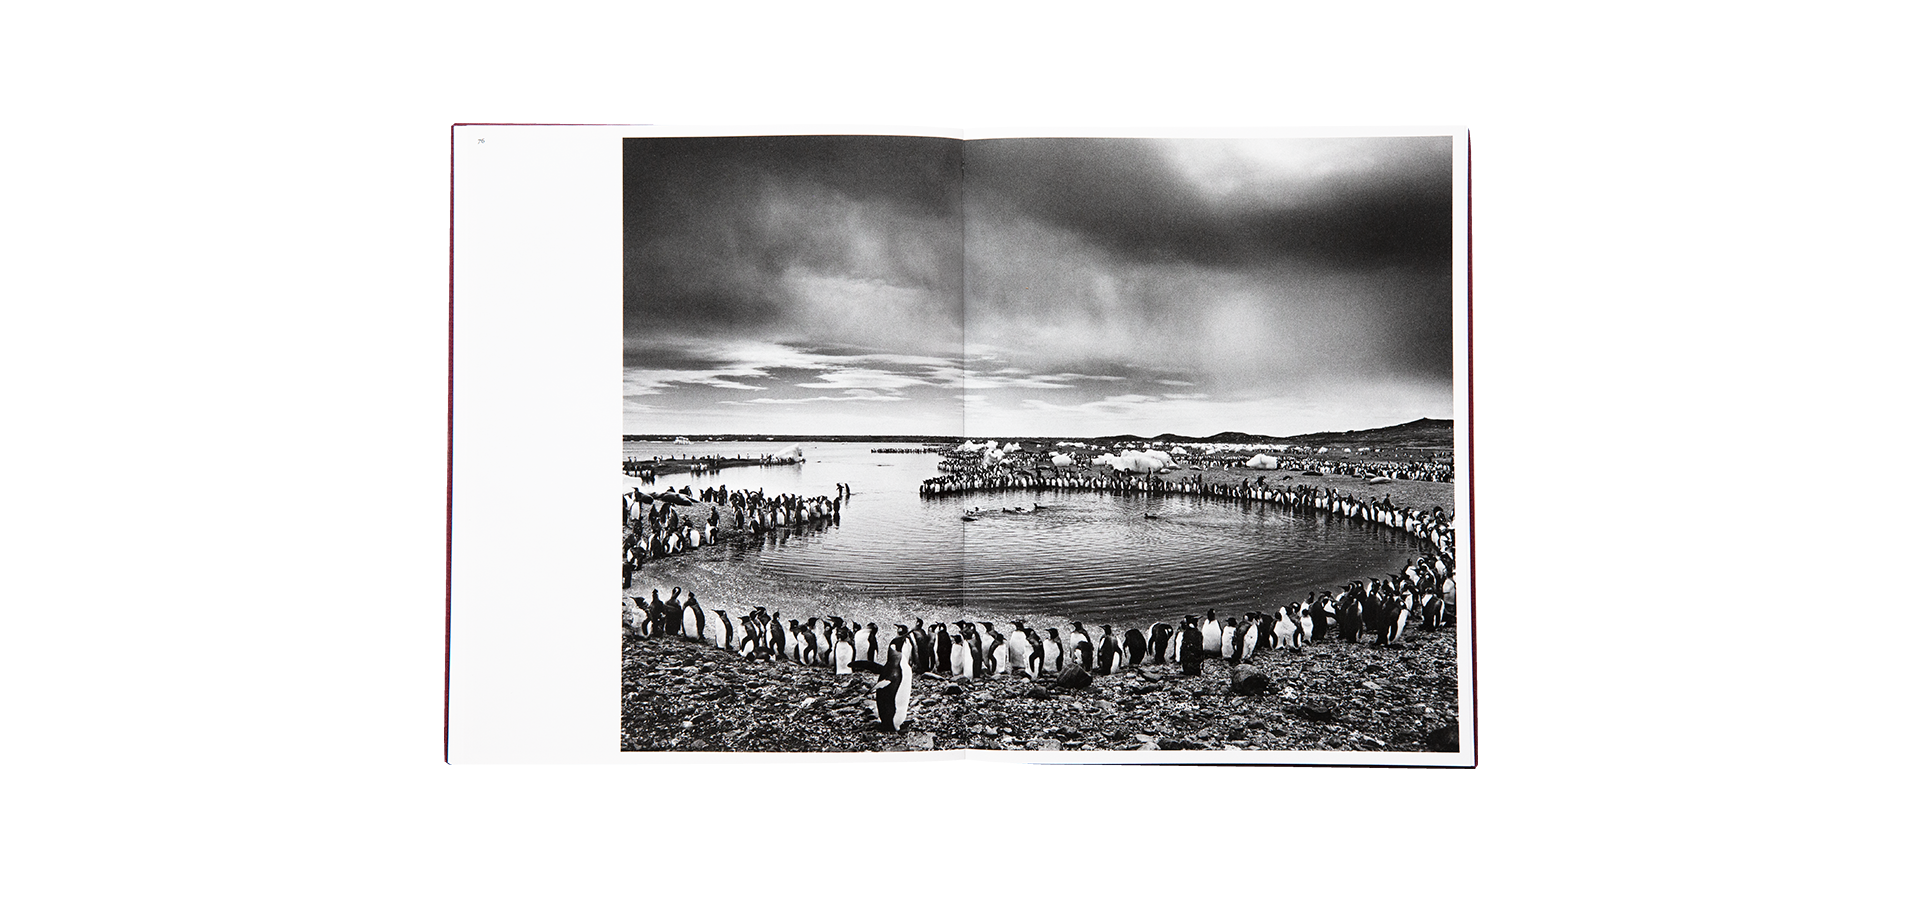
(1095,449)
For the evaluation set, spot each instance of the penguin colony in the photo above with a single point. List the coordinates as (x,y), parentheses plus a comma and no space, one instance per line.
(1379,607)
(654,528)
(1430,526)
(1382,608)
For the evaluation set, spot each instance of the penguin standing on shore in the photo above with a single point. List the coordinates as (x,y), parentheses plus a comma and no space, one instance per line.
(1210,635)
(1051,655)
(922,648)
(1179,641)
(960,661)
(1020,649)
(671,613)
(693,619)
(777,636)
(1107,659)
(866,644)
(1135,645)
(1159,638)
(965,657)
(1075,638)
(1036,653)
(893,696)
(995,664)
(723,632)
(1235,640)
(805,647)
(842,651)
(1192,648)
(942,649)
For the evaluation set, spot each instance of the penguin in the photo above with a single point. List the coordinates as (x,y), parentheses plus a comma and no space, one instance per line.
(1179,640)
(1286,632)
(1230,636)
(1210,635)
(1050,652)
(964,657)
(635,620)
(777,636)
(1135,645)
(1077,637)
(922,648)
(1347,613)
(1036,651)
(1324,617)
(1192,649)
(1108,658)
(822,640)
(995,663)
(693,619)
(893,696)
(670,613)
(866,646)
(1158,638)
(1020,649)
(843,652)
(723,632)
(809,646)
(942,649)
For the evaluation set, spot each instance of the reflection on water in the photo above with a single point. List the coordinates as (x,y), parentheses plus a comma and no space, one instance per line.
(1081,555)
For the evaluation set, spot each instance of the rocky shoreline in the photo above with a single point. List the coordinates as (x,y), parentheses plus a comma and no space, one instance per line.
(679,695)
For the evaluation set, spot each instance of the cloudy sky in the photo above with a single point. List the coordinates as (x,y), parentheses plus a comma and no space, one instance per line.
(1073,287)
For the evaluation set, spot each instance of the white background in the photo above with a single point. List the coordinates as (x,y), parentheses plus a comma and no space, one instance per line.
(224,360)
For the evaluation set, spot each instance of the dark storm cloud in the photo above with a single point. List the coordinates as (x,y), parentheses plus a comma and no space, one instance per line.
(720,230)
(1131,197)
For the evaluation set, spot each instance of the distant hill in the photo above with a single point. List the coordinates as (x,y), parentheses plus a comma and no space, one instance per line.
(1423,432)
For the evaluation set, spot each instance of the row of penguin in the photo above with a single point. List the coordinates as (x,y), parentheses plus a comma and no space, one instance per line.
(653,527)
(1425,590)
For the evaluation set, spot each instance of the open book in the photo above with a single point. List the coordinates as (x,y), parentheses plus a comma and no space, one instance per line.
(1141,448)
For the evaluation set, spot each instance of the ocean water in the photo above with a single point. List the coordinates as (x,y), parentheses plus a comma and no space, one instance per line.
(1082,556)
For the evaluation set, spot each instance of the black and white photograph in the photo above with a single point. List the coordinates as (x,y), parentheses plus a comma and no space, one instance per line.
(1087,447)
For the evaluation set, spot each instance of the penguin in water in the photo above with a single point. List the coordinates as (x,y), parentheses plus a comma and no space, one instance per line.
(1108,658)
(1192,648)
(1051,653)
(1135,645)
(1160,636)
(1210,635)
(893,696)
(693,620)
